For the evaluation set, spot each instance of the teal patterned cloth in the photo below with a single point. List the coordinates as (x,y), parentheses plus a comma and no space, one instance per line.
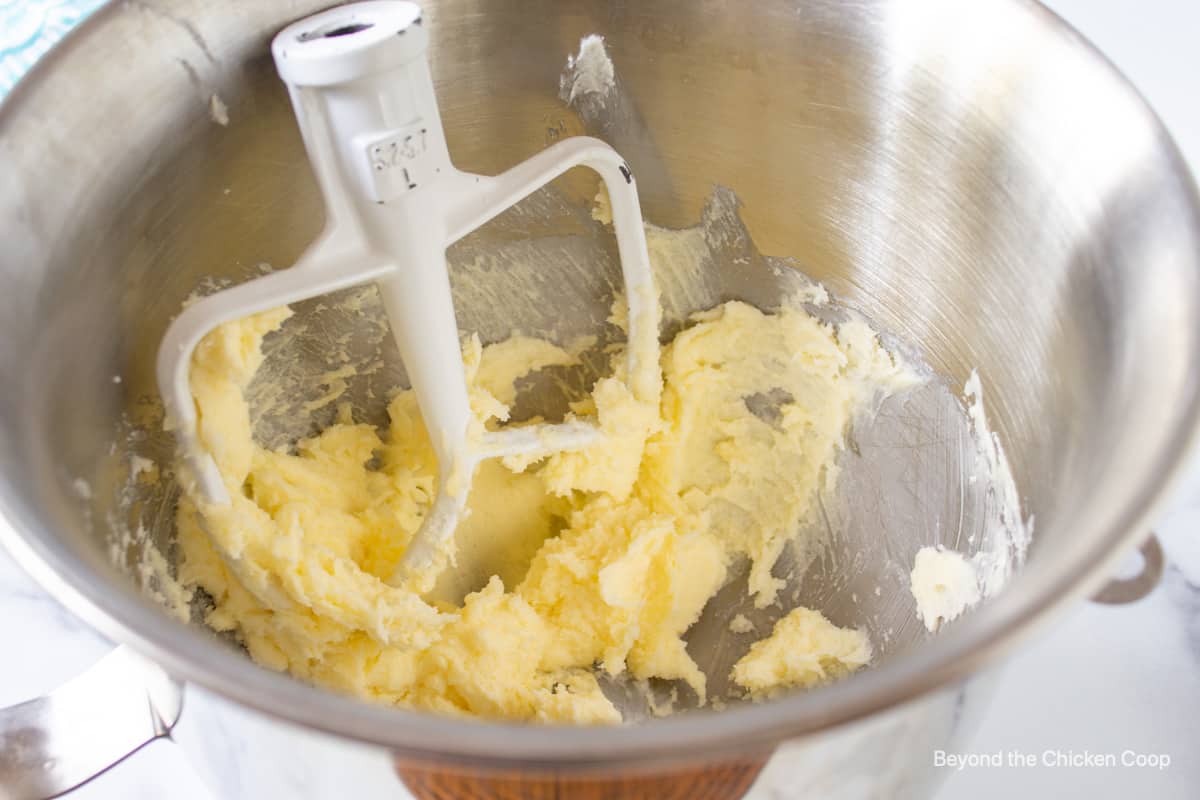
(28,28)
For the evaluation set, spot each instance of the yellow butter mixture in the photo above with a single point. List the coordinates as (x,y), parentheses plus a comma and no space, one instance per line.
(600,560)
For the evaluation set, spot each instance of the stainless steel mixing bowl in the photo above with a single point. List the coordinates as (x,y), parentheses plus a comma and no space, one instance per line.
(971,176)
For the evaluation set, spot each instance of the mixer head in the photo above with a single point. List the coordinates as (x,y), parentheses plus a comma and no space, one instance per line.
(363,96)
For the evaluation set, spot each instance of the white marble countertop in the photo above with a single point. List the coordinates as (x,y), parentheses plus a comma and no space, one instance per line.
(1100,679)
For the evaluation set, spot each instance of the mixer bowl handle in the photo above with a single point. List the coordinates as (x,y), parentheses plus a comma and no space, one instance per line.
(57,742)
(1121,591)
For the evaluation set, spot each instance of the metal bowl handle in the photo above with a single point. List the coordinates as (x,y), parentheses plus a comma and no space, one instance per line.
(54,743)
(1120,591)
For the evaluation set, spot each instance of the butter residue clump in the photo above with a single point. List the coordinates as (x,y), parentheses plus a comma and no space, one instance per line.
(804,650)
(599,561)
(944,585)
